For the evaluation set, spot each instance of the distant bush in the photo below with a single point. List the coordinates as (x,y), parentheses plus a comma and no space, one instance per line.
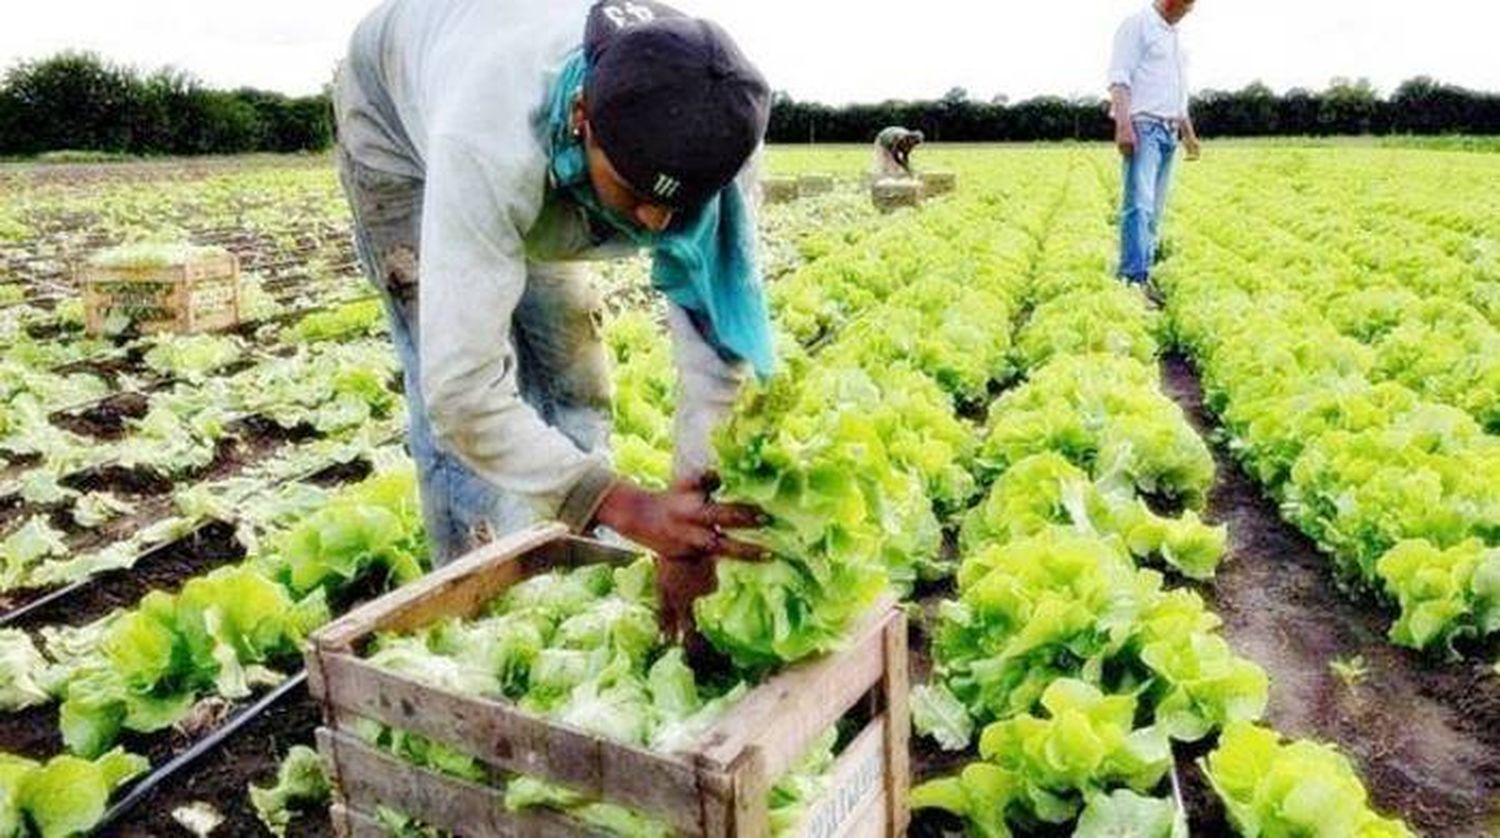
(70,155)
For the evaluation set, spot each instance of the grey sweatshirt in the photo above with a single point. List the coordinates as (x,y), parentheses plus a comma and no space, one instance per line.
(452,92)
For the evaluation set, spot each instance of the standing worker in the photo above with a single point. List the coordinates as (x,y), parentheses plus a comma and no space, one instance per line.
(485,146)
(893,147)
(1149,103)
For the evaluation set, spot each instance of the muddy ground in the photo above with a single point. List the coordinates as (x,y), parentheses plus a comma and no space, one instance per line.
(1425,733)
(222,777)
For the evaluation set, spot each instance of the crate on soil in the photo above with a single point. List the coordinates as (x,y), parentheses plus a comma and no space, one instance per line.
(778,190)
(894,193)
(718,787)
(938,183)
(811,186)
(161,288)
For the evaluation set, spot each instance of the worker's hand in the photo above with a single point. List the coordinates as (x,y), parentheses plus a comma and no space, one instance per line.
(1125,137)
(1193,147)
(681,523)
(679,583)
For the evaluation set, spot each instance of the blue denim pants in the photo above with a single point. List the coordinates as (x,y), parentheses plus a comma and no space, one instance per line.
(1147,174)
(556,328)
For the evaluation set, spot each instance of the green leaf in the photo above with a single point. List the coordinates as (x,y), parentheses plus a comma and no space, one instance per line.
(301,783)
(1126,814)
(68,795)
(936,712)
(23,671)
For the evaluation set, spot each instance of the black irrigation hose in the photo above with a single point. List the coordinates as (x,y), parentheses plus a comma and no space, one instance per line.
(143,789)
(16,615)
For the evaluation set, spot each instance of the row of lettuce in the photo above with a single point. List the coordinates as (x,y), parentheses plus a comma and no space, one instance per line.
(1082,665)
(1053,615)
(336,392)
(221,636)
(1361,392)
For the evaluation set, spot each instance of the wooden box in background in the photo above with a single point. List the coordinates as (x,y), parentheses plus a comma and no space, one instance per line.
(811,186)
(938,183)
(180,289)
(778,190)
(894,193)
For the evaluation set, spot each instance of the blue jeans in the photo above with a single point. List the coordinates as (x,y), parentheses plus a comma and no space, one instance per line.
(1147,174)
(563,366)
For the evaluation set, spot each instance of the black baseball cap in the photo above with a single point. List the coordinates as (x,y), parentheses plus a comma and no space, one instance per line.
(673,103)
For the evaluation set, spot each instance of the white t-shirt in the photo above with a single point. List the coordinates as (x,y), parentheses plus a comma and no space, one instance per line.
(1148,58)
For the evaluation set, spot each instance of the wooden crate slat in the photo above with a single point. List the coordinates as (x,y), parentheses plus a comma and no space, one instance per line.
(895,688)
(792,708)
(371,779)
(858,784)
(458,589)
(352,824)
(874,821)
(510,739)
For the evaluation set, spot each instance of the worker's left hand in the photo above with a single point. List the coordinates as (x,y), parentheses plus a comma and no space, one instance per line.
(1193,147)
(682,578)
(681,522)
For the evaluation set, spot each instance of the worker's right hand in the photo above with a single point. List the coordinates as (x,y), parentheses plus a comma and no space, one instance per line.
(681,523)
(1125,137)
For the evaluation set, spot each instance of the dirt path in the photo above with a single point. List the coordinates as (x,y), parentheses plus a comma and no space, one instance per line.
(1425,733)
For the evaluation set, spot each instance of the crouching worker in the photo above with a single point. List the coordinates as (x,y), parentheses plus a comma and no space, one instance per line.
(485,147)
(893,147)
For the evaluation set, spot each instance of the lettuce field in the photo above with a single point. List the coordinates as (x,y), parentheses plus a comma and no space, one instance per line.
(1227,565)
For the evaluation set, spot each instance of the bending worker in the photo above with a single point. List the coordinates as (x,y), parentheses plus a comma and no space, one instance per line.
(485,146)
(893,147)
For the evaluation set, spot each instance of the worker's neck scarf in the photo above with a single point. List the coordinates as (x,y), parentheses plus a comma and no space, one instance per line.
(704,261)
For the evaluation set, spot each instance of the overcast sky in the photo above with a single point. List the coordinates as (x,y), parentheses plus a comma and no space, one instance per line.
(837,50)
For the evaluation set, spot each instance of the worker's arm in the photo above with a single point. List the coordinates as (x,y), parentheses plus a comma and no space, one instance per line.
(707,383)
(473,273)
(707,386)
(1190,139)
(1124,56)
(1119,96)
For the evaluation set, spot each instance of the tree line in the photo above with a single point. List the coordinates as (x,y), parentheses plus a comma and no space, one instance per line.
(80,101)
(1420,106)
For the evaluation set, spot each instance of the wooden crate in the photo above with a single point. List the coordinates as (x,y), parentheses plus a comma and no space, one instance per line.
(778,190)
(811,186)
(716,788)
(201,294)
(894,193)
(938,183)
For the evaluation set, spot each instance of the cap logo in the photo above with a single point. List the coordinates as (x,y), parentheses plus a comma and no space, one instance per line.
(624,14)
(666,186)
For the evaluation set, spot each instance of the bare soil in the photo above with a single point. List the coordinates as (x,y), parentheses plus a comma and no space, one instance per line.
(106,418)
(209,547)
(222,778)
(1425,733)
